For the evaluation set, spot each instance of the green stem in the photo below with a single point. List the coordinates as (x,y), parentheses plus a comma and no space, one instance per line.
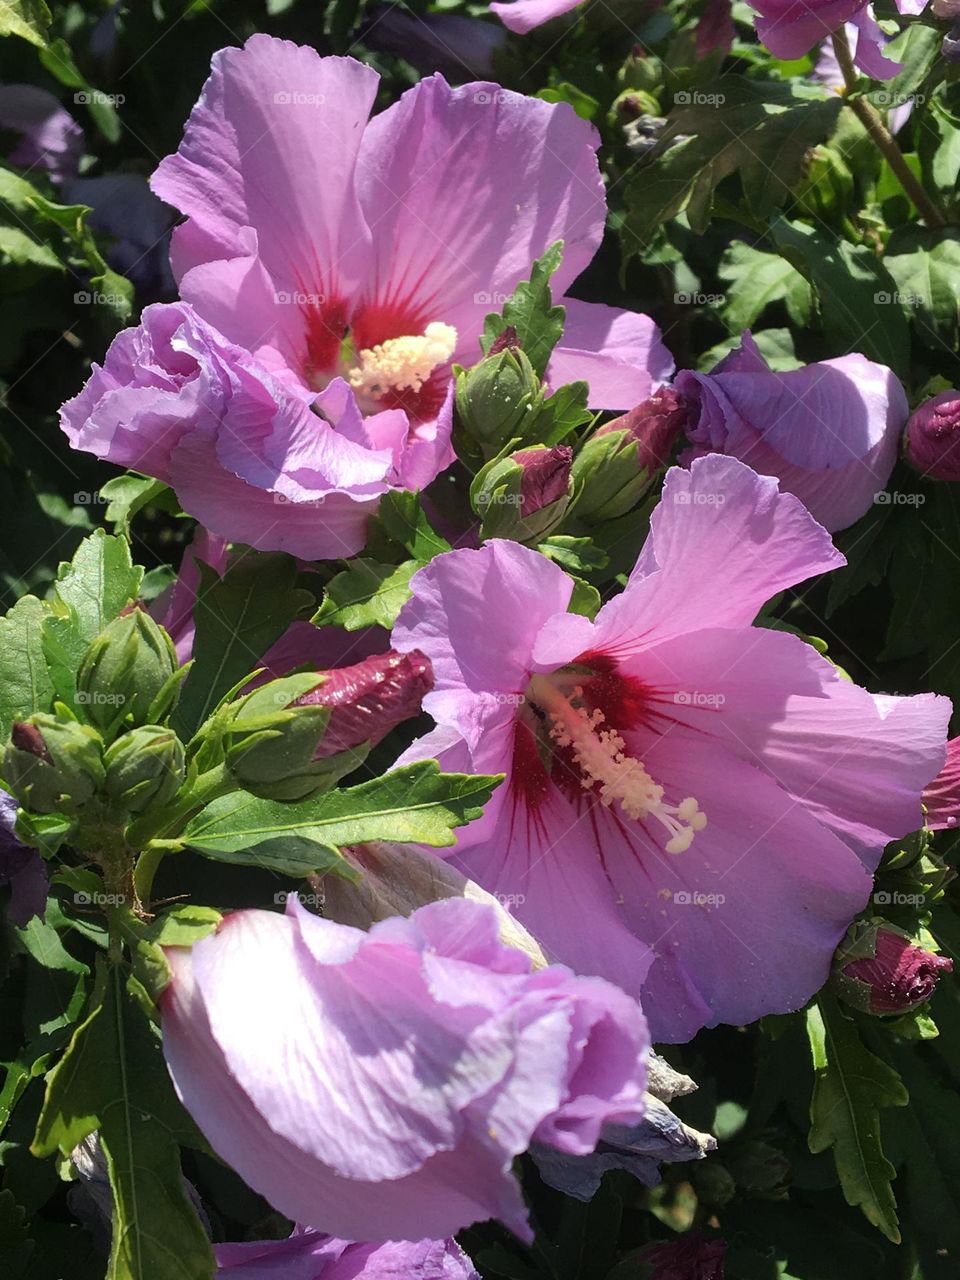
(871,120)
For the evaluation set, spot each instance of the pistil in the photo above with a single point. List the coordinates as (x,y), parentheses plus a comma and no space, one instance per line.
(606,767)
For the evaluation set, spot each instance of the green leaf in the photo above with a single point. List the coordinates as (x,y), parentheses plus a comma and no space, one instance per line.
(238,617)
(577,555)
(761,130)
(415,804)
(530,311)
(368,594)
(850,1087)
(19,249)
(98,582)
(113,1078)
(126,495)
(562,413)
(402,517)
(288,855)
(756,280)
(25,682)
(856,293)
(926,267)
(29,19)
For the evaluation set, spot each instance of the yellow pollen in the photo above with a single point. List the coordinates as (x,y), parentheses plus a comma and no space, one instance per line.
(603,760)
(404,364)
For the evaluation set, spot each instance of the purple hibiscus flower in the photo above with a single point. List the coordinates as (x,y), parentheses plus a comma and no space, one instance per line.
(791,28)
(692,805)
(829,432)
(332,268)
(941,798)
(380,1084)
(48,136)
(311,1255)
(21,868)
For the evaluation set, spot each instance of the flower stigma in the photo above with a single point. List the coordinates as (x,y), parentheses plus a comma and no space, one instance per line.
(607,769)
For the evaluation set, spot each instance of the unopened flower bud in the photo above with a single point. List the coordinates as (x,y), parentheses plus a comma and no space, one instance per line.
(932,438)
(941,797)
(270,743)
(642,70)
(396,880)
(689,1257)
(52,764)
(499,398)
(621,460)
(145,768)
(128,674)
(525,496)
(878,969)
(369,698)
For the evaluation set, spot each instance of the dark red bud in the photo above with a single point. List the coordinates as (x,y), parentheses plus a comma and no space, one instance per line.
(507,341)
(546,476)
(370,698)
(689,1257)
(655,424)
(27,737)
(933,437)
(900,975)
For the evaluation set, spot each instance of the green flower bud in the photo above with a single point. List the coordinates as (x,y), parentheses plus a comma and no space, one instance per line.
(53,764)
(641,70)
(525,495)
(270,744)
(145,768)
(499,398)
(128,675)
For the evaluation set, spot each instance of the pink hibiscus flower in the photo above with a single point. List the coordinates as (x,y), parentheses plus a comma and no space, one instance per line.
(693,805)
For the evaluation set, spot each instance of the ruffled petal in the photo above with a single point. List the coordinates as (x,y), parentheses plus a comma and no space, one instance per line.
(521,16)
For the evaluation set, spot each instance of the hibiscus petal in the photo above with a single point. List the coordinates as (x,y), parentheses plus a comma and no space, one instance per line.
(619,353)
(522,16)
(272,144)
(723,541)
(452,239)
(459,596)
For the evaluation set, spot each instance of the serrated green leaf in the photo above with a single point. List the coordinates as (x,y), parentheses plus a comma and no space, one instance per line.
(759,129)
(238,617)
(29,19)
(99,581)
(18,248)
(851,1085)
(531,312)
(577,555)
(403,519)
(858,307)
(126,495)
(415,804)
(756,280)
(113,1078)
(368,594)
(25,682)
